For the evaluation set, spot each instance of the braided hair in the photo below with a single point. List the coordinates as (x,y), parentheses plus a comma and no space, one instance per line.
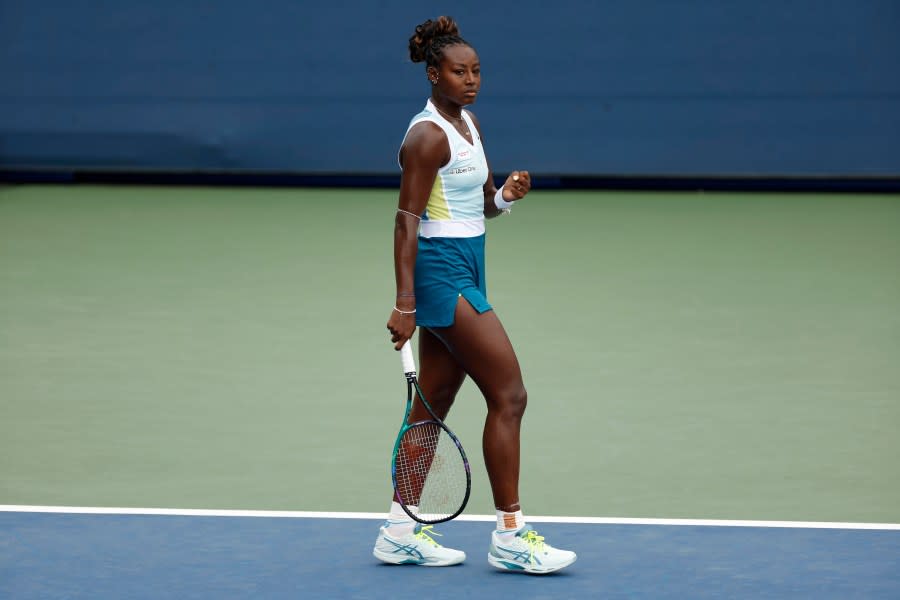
(431,38)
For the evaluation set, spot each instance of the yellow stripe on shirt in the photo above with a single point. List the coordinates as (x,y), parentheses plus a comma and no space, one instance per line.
(437,208)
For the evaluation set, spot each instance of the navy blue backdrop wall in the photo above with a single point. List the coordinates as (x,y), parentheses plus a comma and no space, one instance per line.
(655,87)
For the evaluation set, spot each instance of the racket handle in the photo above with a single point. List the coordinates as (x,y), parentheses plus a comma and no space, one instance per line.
(406,355)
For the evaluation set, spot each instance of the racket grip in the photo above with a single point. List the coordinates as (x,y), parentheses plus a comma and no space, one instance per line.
(406,355)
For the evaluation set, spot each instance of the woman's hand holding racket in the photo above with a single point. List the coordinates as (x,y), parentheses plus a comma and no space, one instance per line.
(402,322)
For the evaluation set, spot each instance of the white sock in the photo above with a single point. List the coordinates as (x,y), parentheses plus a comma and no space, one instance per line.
(398,522)
(509,522)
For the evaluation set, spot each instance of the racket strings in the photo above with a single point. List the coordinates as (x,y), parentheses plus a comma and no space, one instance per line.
(430,471)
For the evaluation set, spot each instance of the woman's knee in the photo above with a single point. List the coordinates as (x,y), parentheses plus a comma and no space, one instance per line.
(441,399)
(510,402)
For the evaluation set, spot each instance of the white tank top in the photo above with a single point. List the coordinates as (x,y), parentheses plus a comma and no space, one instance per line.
(456,204)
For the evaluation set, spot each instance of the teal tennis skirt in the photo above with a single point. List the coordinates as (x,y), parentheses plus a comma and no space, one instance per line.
(447,268)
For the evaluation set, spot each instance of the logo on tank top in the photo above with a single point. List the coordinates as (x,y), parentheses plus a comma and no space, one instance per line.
(461,170)
(464,154)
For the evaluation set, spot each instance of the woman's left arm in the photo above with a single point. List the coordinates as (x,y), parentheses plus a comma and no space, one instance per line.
(517,184)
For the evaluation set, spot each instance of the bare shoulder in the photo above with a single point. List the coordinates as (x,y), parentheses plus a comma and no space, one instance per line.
(425,141)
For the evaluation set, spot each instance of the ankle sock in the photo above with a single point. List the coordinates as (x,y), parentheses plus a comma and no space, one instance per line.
(398,522)
(508,523)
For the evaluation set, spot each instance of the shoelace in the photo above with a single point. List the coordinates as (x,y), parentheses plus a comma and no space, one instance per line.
(535,542)
(426,531)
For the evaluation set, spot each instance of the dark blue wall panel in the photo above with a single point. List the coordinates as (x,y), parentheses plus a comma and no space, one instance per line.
(654,87)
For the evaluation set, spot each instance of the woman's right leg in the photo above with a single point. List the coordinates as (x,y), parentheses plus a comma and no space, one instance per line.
(399,541)
(440,376)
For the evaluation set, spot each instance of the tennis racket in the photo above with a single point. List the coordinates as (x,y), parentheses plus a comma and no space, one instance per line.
(429,468)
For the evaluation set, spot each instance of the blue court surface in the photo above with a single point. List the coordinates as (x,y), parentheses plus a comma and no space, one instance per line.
(99,556)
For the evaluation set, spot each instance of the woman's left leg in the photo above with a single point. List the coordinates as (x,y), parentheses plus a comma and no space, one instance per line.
(480,345)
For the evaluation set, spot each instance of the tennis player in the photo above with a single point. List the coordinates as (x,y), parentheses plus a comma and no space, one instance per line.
(446,192)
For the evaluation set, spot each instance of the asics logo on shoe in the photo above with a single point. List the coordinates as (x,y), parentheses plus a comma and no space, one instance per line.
(525,556)
(410,550)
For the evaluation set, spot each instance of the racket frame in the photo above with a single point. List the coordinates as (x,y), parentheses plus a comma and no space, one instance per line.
(413,390)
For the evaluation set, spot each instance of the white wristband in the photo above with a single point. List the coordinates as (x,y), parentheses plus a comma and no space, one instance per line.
(501,204)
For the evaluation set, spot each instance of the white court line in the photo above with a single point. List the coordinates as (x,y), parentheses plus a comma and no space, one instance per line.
(190,512)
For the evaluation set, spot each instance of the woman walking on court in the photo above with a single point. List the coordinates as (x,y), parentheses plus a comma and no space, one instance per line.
(446,192)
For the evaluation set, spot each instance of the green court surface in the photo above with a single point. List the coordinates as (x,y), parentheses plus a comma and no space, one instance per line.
(687,355)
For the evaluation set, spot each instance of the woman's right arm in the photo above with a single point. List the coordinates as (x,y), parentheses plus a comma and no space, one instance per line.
(423,153)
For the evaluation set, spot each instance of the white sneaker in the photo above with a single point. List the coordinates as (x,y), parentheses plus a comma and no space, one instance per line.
(416,548)
(527,552)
